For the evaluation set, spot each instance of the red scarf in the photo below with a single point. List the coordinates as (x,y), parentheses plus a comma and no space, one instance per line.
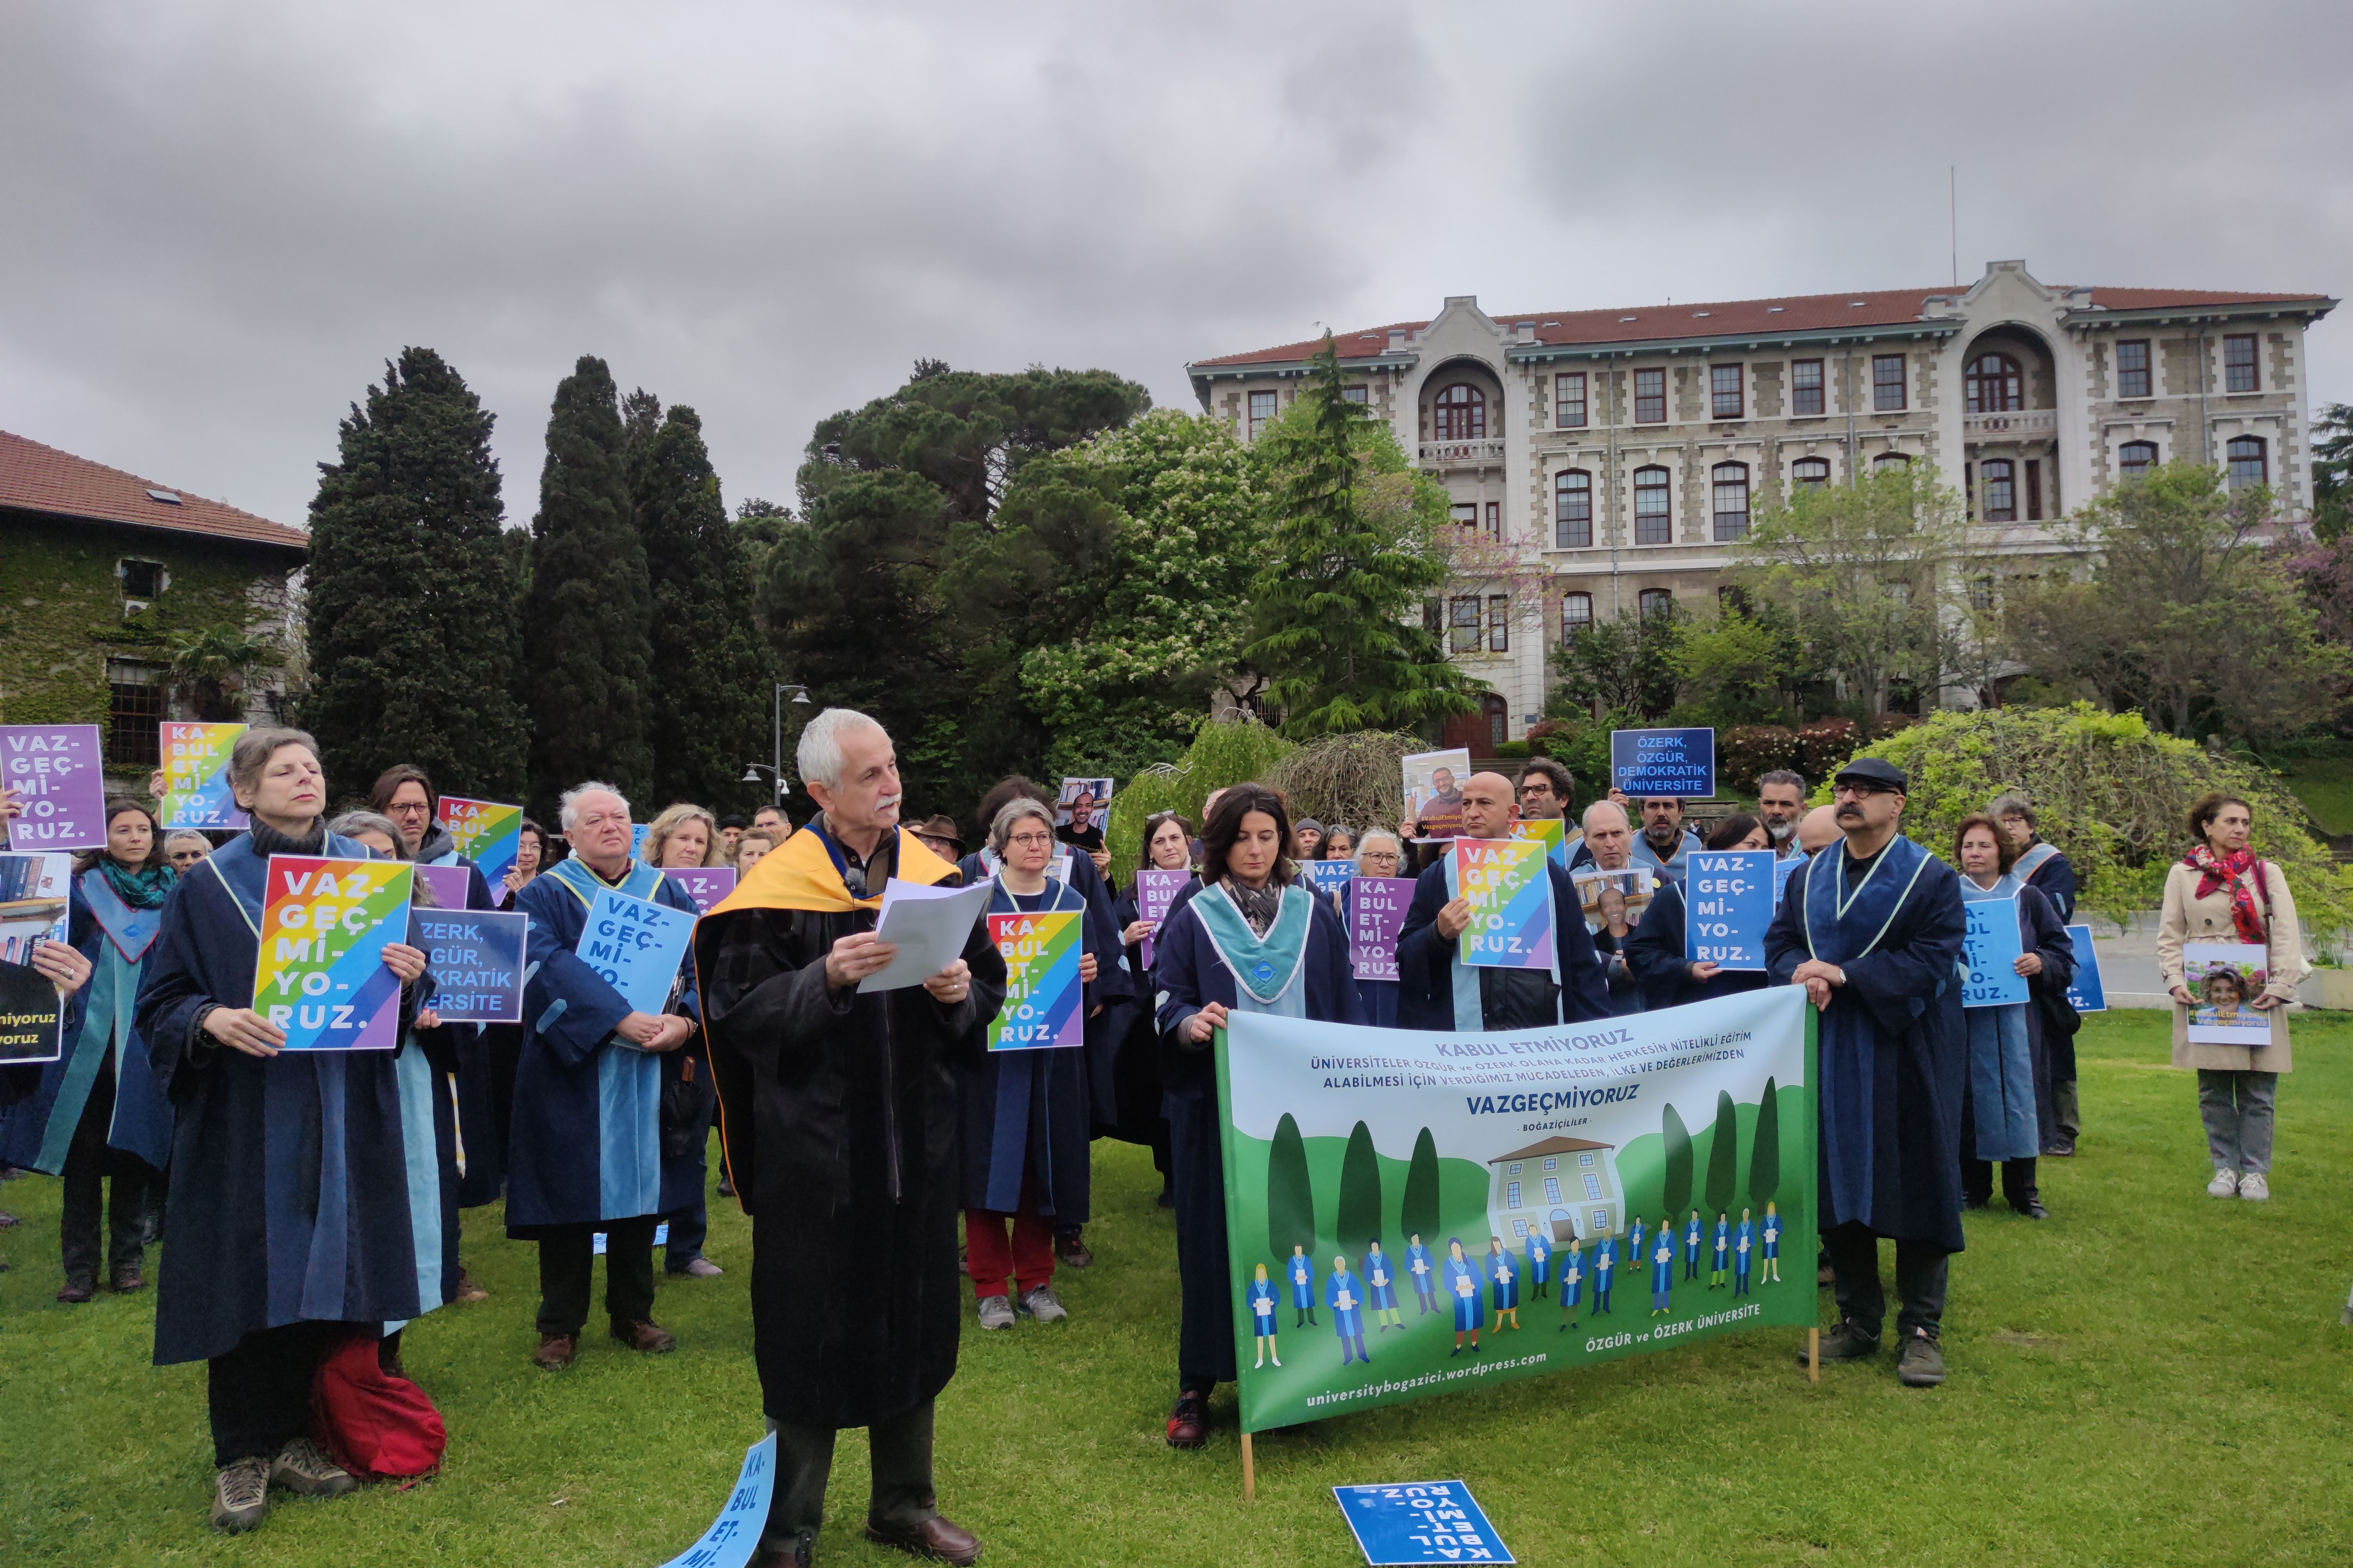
(2232,871)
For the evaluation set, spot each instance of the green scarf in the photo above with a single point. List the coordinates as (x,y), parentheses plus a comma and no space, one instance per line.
(140,887)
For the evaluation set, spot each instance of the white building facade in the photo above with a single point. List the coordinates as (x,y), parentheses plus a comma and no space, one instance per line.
(1615,454)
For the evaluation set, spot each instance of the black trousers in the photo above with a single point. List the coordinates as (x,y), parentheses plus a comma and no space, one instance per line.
(258,1394)
(2017,1188)
(1205,1335)
(1921,1273)
(898,1447)
(567,1261)
(90,1164)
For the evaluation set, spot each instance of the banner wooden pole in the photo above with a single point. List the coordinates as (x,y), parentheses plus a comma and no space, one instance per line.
(1249,1471)
(1814,1355)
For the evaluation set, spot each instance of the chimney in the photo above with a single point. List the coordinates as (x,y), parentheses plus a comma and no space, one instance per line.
(1396,340)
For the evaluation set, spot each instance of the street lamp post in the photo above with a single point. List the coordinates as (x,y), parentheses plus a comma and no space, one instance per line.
(774,769)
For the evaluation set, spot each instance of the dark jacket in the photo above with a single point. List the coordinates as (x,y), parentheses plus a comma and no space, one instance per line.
(1654,957)
(1508,999)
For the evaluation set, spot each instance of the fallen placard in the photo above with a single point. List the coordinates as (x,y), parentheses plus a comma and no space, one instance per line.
(735,1535)
(1419,1522)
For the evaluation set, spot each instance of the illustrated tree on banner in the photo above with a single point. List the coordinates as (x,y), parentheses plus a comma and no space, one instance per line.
(1360,1190)
(1679,1161)
(1418,1213)
(1723,1155)
(1290,1192)
(1765,1153)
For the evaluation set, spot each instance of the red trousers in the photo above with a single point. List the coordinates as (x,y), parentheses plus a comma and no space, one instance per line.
(988,1260)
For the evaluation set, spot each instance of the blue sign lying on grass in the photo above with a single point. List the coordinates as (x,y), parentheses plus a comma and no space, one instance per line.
(1419,1522)
(733,1535)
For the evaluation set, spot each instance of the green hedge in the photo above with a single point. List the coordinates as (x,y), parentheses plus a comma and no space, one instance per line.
(1222,755)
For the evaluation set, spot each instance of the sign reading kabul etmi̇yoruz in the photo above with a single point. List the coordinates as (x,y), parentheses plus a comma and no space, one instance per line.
(1043,993)
(320,975)
(487,833)
(1467,1171)
(1647,762)
(58,774)
(196,776)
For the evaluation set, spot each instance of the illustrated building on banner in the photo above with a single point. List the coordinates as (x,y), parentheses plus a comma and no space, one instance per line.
(1562,1187)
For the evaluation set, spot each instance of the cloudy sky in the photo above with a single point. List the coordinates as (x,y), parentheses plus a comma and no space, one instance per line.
(222,219)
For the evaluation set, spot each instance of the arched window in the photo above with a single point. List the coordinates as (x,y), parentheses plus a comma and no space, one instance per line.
(1811,473)
(1575,614)
(1498,719)
(1890,460)
(2245,454)
(1462,414)
(1995,384)
(1656,602)
(1652,522)
(1729,483)
(1572,510)
(2001,490)
(2135,458)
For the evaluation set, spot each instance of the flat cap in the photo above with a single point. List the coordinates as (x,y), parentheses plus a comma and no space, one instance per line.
(1873,770)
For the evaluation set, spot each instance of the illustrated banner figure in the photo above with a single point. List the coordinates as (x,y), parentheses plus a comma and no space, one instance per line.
(321,977)
(1469,1197)
(487,833)
(1042,990)
(1510,903)
(57,773)
(196,776)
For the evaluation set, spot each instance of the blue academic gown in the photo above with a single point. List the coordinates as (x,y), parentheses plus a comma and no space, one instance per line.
(1462,1289)
(467,1046)
(1301,1283)
(1772,1235)
(1428,966)
(1655,958)
(1505,1275)
(1417,1264)
(1722,1247)
(587,1139)
(1381,1281)
(1662,1268)
(1539,1258)
(1262,1307)
(1743,1254)
(1605,1264)
(2009,1073)
(1349,1321)
(1635,1254)
(108,1026)
(1572,1276)
(1691,1250)
(289,1176)
(1117,988)
(1892,1057)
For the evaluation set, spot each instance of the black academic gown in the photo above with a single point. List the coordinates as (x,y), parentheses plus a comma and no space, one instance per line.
(1508,999)
(466,1050)
(1655,958)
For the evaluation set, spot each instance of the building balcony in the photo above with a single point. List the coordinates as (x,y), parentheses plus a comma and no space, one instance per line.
(1460,454)
(2019,424)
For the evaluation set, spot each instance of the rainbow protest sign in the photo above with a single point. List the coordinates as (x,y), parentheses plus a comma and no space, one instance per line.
(487,834)
(1510,903)
(325,926)
(1042,992)
(1552,835)
(196,776)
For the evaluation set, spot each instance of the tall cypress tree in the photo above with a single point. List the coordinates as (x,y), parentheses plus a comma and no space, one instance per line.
(1290,1192)
(1418,1212)
(1724,1154)
(411,624)
(586,614)
(711,669)
(1765,1153)
(1359,1218)
(1679,1162)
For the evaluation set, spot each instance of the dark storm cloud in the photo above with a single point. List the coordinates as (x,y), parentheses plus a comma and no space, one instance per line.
(224,218)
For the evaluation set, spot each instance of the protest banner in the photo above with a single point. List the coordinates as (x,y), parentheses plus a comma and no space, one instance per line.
(1989,952)
(636,944)
(1604,898)
(1433,792)
(1419,1522)
(735,1535)
(36,899)
(1680,763)
(2225,976)
(1155,892)
(1326,876)
(1510,903)
(487,833)
(196,776)
(1441,1160)
(1552,834)
(1042,990)
(319,974)
(1728,898)
(57,773)
(1085,804)
(1376,909)
(2087,993)
(447,884)
(706,885)
(476,958)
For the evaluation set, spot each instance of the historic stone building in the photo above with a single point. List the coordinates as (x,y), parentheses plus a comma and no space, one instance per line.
(1614,453)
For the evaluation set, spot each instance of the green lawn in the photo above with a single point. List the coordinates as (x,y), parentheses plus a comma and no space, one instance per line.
(2326,791)
(2150,1377)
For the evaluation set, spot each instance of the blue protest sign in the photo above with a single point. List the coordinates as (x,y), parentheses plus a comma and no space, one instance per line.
(1989,952)
(1680,763)
(1728,897)
(636,944)
(1327,876)
(1781,872)
(735,1533)
(638,840)
(476,960)
(1423,1521)
(2086,994)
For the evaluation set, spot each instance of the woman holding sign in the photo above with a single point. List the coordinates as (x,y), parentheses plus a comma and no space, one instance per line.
(2008,1067)
(1164,873)
(685,838)
(263,1275)
(1656,948)
(1252,940)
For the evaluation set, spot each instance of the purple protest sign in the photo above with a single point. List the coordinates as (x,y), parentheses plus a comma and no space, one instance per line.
(1376,907)
(1155,892)
(448,885)
(706,885)
(59,776)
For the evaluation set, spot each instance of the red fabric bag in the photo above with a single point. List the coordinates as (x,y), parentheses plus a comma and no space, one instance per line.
(375,1425)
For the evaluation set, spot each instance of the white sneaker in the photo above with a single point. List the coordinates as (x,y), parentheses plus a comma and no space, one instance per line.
(2225,1185)
(2254,1188)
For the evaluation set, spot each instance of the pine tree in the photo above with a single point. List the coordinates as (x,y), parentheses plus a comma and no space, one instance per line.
(1765,1153)
(585,616)
(1359,1218)
(1339,599)
(1724,1154)
(1679,1162)
(1417,1214)
(411,624)
(1290,1192)
(711,670)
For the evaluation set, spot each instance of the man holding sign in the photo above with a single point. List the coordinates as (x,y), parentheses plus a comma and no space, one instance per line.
(1441,990)
(597,1016)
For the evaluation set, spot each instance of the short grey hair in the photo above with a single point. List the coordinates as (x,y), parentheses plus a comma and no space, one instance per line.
(1784,776)
(352,823)
(1605,804)
(2013,805)
(1000,830)
(1365,840)
(568,809)
(818,755)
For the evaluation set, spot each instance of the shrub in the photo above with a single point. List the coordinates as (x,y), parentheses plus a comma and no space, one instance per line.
(1514,749)
(1745,753)
(1224,753)
(1358,778)
(1825,745)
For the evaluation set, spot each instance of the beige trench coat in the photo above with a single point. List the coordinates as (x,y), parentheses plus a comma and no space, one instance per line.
(2188,918)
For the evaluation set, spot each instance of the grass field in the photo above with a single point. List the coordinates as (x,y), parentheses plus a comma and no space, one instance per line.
(2150,1377)
(2327,790)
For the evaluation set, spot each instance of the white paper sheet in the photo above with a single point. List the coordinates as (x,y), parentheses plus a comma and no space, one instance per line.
(930,926)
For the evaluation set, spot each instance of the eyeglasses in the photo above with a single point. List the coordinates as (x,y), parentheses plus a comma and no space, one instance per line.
(412,808)
(1858,790)
(1030,840)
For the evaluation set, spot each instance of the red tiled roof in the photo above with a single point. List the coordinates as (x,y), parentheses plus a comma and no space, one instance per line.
(42,479)
(1737,317)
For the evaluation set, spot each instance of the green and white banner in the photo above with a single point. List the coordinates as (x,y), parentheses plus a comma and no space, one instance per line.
(1410,1213)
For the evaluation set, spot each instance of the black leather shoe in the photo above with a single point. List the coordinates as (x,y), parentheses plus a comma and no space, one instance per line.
(800,1551)
(1188,1423)
(1844,1342)
(935,1538)
(2032,1209)
(1071,1252)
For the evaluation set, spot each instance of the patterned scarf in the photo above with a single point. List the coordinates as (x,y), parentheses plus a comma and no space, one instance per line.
(1258,905)
(2232,871)
(140,887)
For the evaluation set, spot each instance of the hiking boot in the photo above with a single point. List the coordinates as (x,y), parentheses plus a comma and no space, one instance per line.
(1188,1423)
(1845,1343)
(644,1336)
(2225,1185)
(241,1495)
(1071,1252)
(2255,1188)
(996,1312)
(791,1552)
(128,1280)
(74,1292)
(303,1467)
(555,1352)
(1044,1305)
(1922,1363)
